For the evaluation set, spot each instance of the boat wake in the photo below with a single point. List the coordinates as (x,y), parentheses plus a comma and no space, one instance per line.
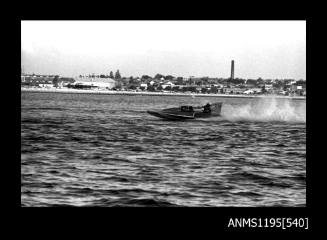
(267,110)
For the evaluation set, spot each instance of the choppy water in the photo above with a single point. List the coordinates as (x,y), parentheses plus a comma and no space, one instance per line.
(105,150)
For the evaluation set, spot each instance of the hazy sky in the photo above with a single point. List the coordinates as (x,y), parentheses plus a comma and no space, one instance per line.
(267,49)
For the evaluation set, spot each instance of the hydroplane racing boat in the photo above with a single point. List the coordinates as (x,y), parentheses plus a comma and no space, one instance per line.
(189,112)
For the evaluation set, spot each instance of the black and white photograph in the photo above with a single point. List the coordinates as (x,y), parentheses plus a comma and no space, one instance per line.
(170,113)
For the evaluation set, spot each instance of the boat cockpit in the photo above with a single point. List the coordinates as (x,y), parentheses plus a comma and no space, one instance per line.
(187,109)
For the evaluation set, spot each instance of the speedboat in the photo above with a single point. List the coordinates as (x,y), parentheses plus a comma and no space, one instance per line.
(189,112)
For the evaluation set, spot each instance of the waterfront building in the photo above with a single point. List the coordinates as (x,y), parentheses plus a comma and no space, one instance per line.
(144,85)
(252,91)
(100,83)
(152,82)
(268,88)
(166,84)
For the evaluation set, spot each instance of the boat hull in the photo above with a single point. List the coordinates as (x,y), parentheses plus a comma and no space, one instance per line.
(169,116)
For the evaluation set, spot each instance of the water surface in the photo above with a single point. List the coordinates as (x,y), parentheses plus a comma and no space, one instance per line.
(105,150)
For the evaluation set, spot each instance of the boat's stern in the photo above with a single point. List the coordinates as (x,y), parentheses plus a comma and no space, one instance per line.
(216,108)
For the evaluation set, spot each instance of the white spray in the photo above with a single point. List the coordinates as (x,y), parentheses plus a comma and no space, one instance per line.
(266,109)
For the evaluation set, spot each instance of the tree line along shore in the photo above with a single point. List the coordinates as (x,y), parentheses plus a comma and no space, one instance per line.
(160,84)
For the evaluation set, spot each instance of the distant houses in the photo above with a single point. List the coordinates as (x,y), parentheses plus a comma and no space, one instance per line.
(50,81)
(45,81)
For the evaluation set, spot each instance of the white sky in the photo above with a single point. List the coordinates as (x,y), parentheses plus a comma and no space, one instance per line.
(267,49)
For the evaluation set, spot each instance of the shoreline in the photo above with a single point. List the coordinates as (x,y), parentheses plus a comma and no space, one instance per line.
(110,92)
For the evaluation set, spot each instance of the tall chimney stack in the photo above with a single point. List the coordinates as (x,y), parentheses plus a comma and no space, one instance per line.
(232,71)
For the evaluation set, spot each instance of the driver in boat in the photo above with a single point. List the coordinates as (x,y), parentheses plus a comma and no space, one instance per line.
(206,108)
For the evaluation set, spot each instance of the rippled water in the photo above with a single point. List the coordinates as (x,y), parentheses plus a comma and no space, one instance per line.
(105,150)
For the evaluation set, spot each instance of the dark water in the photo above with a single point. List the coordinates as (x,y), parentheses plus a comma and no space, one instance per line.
(102,150)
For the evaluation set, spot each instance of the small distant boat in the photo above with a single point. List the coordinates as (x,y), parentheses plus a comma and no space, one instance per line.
(189,112)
